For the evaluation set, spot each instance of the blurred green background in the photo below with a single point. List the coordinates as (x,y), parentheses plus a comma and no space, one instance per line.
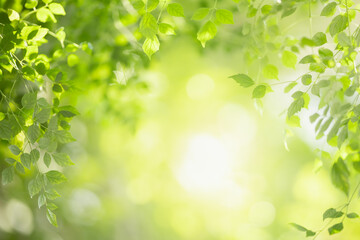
(179,152)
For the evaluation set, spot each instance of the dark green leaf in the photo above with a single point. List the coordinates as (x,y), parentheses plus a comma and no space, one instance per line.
(336,228)
(332,213)
(352,215)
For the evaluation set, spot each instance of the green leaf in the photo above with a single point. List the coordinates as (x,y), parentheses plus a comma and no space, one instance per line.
(295,106)
(148,26)
(35,155)
(13,15)
(63,136)
(166,29)
(28,101)
(270,72)
(329,9)
(56,8)
(151,46)
(224,16)
(55,177)
(294,121)
(336,228)
(41,200)
(289,87)
(314,117)
(206,32)
(243,79)
(259,91)
(7,175)
(72,60)
(298,227)
(62,159)
(33,133)
(338,24)
(47,159)
(35,186)
(352,215)
(10,160)
(319,39)
(175,9)
(340,176)
(289,59)
(52,194)
(308,59)
(31,4)
(151,5)
(19,167)
(14,149)
(306,79)
(51,206)
(51,217)
(43,115)
(44,15)
(200,14)
(26,160)
(68,111)
(332,213)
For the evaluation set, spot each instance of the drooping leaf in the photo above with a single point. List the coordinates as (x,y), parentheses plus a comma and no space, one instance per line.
(51,217)
(336,228)
(206,32)
(151,46)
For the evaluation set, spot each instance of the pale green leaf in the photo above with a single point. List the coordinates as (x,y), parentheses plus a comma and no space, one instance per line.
(224,16)
(206,32)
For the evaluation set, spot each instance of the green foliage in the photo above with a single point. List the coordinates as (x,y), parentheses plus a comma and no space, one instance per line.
(35,121)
